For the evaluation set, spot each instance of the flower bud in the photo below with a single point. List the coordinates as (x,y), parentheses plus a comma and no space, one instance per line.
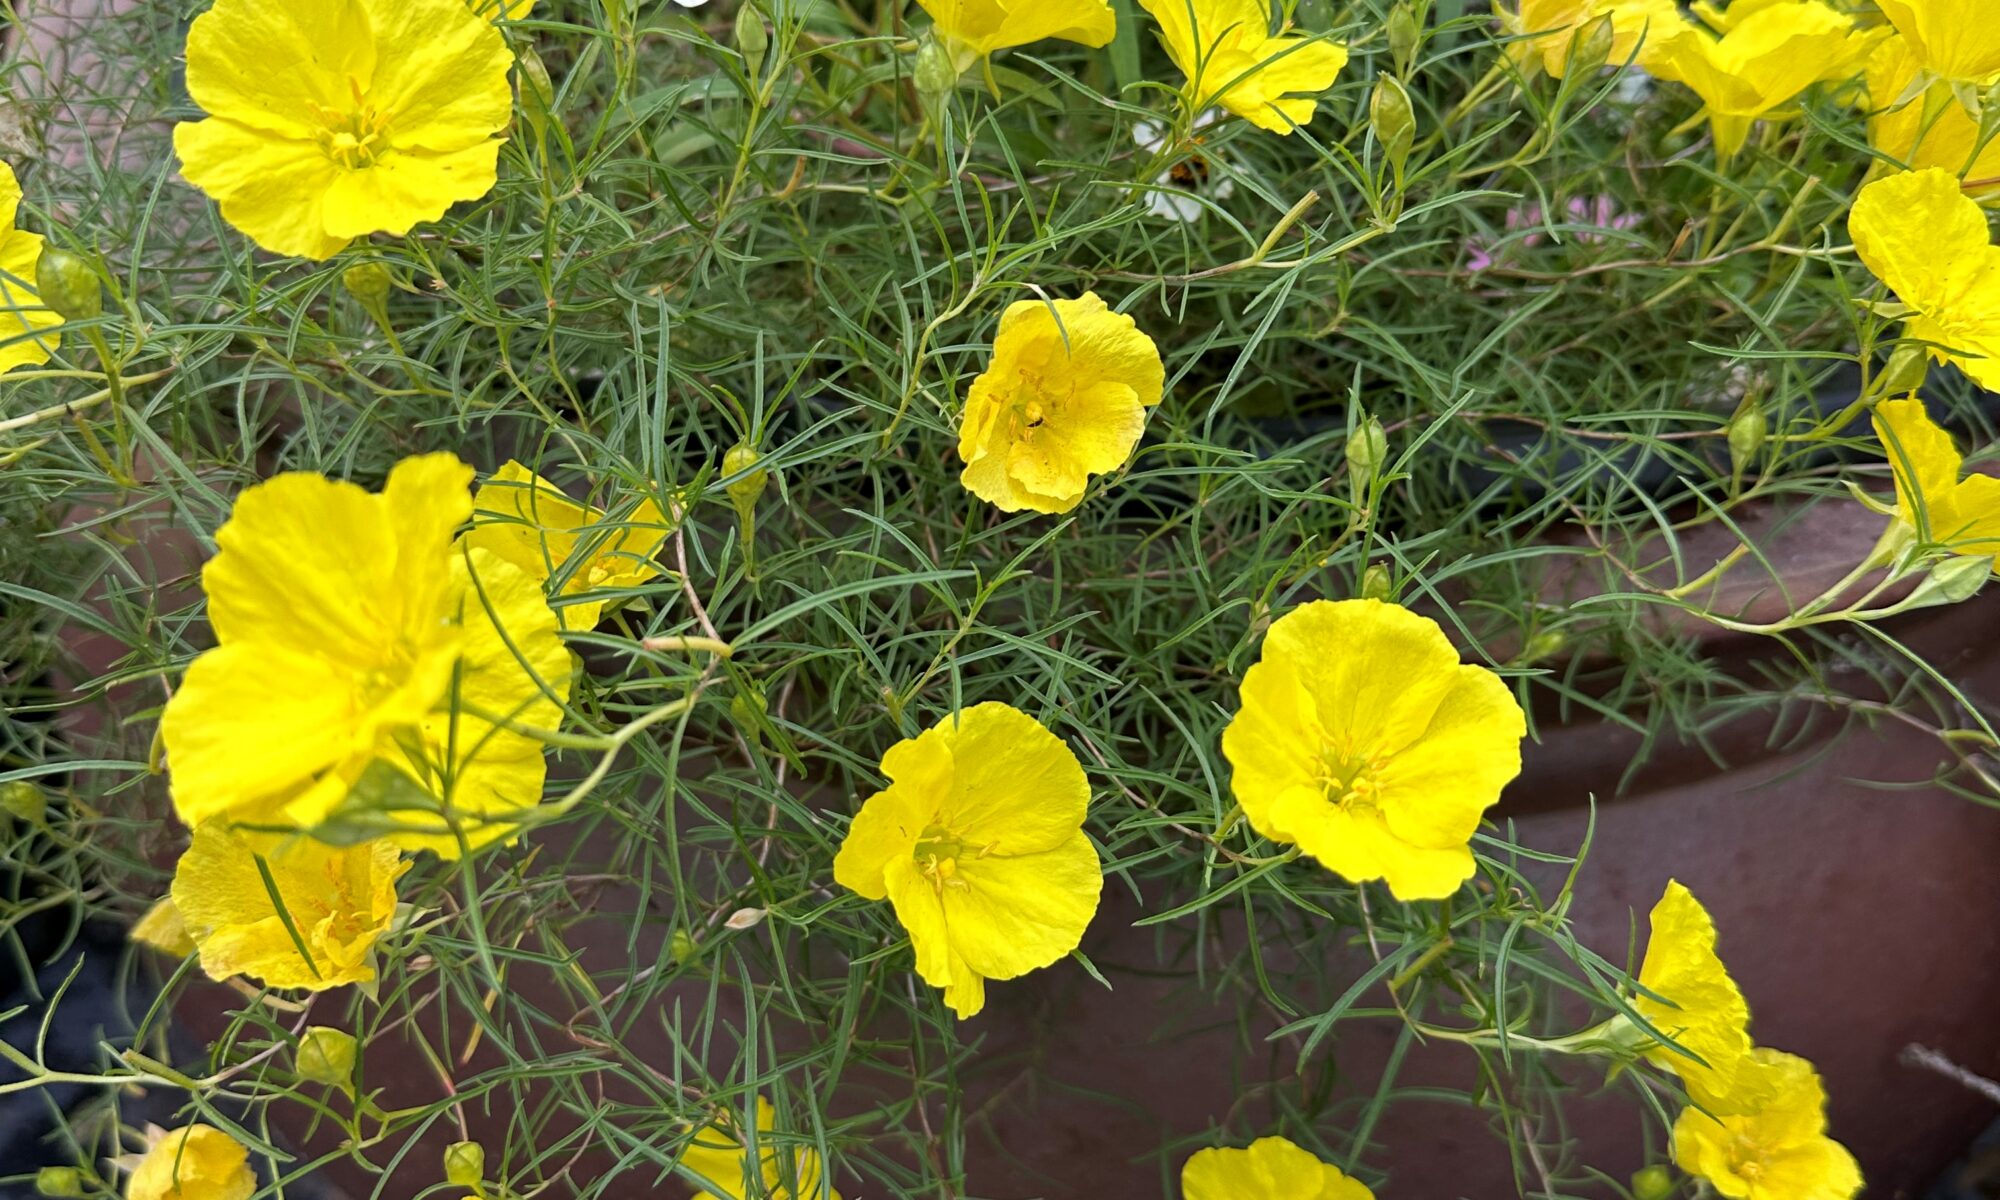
(682,945)
(1405,34)
(1542,645)
(1956,579)
(67,285)
(538,91)
(24,802)
(326,1056)
(935,74)
(1747,430)
(1375,583)
(745,491)
(1590,48)
(1367,449)
(1905,372)
(367,282)
(1394,122)
(59,1181)
(1652,1183)
(753,41)
(465,1164)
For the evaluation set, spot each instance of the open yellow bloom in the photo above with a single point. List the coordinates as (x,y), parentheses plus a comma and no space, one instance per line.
(978,843)
(1226,50)
(973,29)
(528,521)
(1701,1009)
(719,1158)
(1760,63)
(1271,1169)
(1776,1151)
(1064,398)
(1933,503)
(1363,741)
(1958,39)
(198,1162)
(339,900)
(330,120)
(1932,129)
(163,929)
(1638,29)
(356,646)
(1925,239)
(22,316)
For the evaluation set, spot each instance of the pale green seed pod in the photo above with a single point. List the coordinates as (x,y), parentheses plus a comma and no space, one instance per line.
(24,802)
(1652,1183)
(59,1181)
(745,491)
(1590,48)
(367,282)
(1375,584)
(1405,35)
(67,285)
(682,945)
(538,91)
(1367,449)
(1907,367)
(326,1056)
(1394,121)
(465,1164)
(753,41)
(1747,431)
(935,75)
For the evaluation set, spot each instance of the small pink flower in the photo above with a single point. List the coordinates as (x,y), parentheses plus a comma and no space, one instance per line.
(1598,213)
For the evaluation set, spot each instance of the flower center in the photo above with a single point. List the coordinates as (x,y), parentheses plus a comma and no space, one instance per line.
(1348,781)
(355,136)
(597,574)
(937,853)
(1746,1156)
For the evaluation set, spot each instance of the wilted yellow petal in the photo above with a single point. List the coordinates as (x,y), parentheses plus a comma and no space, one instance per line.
(195,1163)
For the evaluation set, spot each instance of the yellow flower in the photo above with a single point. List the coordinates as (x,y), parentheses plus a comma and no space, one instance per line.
(1638,28)
(339,901)
(1932,129)
(350,635)
(528,521)
(1925,239)
(1776,1151)
(195,1163)
(330,120)
(1933,503)
(1064,398)
(719,1159)
(22,317)
(978,843)
(1271,1169)
(1701,1009)
(973,29)
(163,929)
(1958,39)
(1362,740)
(1760,63)
(1226,50)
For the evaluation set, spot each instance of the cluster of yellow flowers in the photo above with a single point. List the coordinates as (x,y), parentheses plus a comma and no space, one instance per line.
(389,668)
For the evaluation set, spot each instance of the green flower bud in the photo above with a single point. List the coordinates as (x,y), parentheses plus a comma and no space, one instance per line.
(1375,583)
(682,945)
(1905,372)
(1543,644)
(753,41)
(24,802)
(367,282)
(935,74)
(465,1164)
(538,91)
(1405,35)
(1747,430)
(59,1181)
(745,491)
(1652,1183)
(326,1056)
(1956,579)
(67,285)
(1367,449)
(1590,49)
(1394,121)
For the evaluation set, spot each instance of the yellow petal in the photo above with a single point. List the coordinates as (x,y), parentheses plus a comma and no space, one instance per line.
(407,189)
(1779,1150)
(194,1163)
(163,929)
(890,821)
(441,74)
(1009,915)
(1358,845)
(920,910)
(1273,84)
(23,318)
(982,27)
(1016,787)
(1700,1007)
(270,187)
(1932,129)
(274,67)
(1958,39)
(528,521)
(1928,242)
(1925,463)
(1272,1168)
(1376,673)
(1434,792)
